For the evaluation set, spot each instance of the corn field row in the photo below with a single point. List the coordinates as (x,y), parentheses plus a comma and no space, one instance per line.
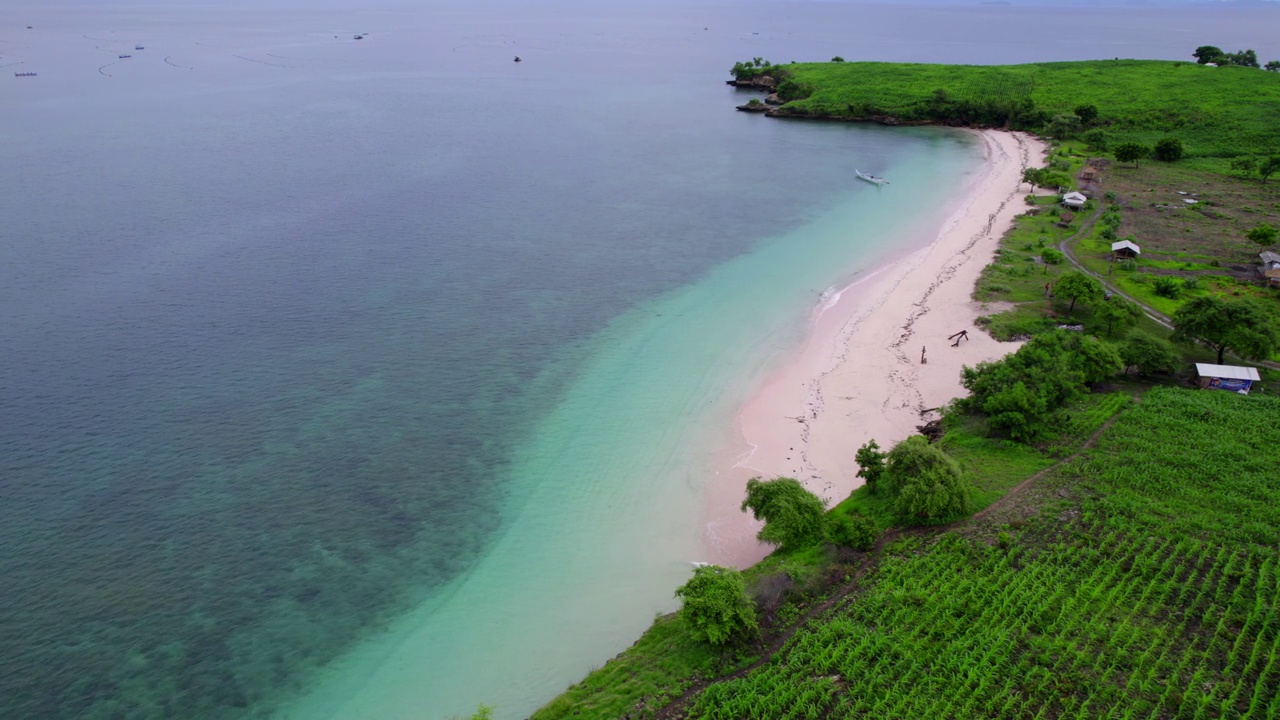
(1150,605)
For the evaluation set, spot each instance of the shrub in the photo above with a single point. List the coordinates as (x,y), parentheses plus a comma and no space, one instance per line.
(1128,265)
(1168,150)
(1052,256)
(926,482)
(855,531)
(1022,393)
(715,607)
(1190,284)
(1166,286)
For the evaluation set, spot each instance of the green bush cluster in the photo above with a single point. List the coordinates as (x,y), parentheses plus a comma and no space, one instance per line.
(793,517)
(1022,394)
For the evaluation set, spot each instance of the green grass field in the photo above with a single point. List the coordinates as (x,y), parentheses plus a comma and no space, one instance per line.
(1157,596)
(1217,112)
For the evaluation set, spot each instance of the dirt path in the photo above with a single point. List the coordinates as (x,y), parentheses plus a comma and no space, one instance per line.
(1161,318)
(675,709)
(1085,228)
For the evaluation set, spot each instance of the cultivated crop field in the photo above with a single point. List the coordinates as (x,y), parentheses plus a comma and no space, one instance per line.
(1153,592)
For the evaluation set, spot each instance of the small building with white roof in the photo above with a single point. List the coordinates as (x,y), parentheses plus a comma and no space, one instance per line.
(1226,377)
(1074,200)
(1270,269)
(1125,249)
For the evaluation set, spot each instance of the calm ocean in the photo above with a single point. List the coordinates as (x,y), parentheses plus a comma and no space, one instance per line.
(375,378)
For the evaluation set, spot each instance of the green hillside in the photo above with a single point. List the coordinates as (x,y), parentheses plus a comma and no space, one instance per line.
(1156,596)
(1139,579)
(1220,112)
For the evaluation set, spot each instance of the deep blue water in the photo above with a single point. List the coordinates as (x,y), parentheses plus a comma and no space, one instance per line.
(277,306)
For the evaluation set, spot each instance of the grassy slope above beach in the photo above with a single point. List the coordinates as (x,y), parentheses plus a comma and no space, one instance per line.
(1101,573)
(1221,112)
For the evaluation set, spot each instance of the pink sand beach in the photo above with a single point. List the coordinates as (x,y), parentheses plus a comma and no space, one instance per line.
(858,374)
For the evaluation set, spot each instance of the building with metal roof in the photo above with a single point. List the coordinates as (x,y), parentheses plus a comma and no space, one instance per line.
(1125,249)
(1226,377)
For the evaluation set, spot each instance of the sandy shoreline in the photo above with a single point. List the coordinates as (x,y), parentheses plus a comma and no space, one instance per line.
(858,374)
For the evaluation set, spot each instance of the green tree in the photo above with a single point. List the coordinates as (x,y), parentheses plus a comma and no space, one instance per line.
(1131,152)
(1241,326)
(1148,354)
(1207,54)
(1087,113)
(1022,393)
(1078,287)
(1269,167)
(855,531)
(926,482)
(1244,165)
(1168,150)
(793,517)
(837,59)
(715,607)
(1243,58)
(1273,66)
(1051,256)
(1116,311)
(1096,139)
(1064,126)
(1263,234)
(870,463)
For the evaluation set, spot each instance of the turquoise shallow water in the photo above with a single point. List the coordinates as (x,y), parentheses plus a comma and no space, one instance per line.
(314,333)
(607,493)
(350,377)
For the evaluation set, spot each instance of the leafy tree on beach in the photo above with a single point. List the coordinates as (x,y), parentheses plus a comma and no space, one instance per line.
(870,463)
(1131,152)
(793,517)
(926,482)
(1078,287)
(1241,326)
(715,607)
(1263,234)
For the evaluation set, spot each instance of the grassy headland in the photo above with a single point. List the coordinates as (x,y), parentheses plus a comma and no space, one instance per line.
(1116,556)
(1218,112)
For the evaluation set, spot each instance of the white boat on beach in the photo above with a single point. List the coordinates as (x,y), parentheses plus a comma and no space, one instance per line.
(871,178)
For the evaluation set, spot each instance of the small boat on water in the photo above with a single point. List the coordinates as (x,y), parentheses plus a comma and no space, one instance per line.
(138,47)
(871,178)
(125,57)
